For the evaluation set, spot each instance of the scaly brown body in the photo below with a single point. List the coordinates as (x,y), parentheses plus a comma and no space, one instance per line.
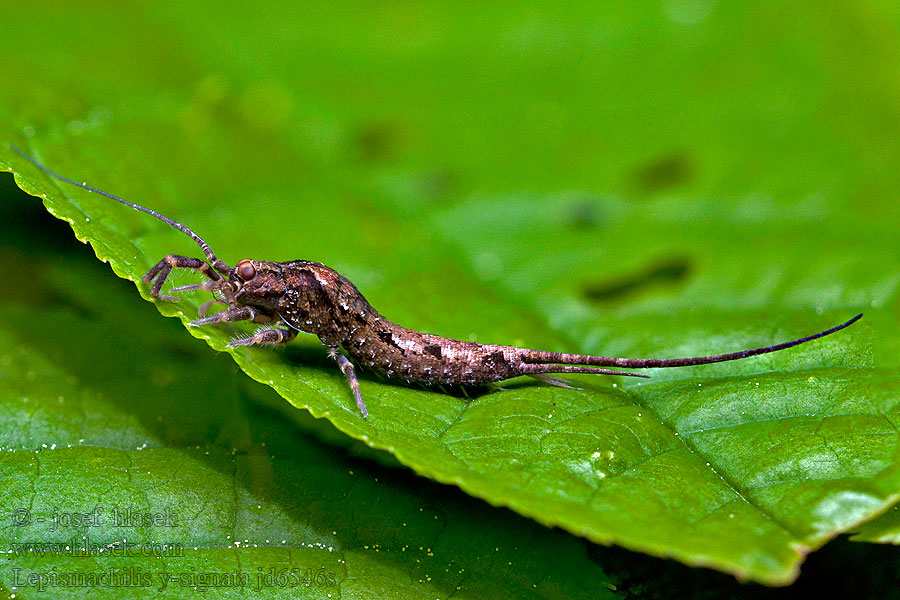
(313,298)
(310,297)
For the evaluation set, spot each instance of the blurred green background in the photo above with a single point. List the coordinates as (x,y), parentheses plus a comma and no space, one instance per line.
(665,178)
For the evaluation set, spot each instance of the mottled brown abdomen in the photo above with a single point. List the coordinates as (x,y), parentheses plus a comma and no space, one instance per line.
(401,353)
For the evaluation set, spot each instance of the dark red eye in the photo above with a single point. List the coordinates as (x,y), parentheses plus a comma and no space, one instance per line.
(246,270)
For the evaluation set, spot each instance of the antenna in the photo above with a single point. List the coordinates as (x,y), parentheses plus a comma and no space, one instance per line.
(210,255)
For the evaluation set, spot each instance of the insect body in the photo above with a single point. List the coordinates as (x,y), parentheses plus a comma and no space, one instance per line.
(287,297)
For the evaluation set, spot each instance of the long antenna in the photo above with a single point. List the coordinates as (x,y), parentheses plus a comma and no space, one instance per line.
(210,255)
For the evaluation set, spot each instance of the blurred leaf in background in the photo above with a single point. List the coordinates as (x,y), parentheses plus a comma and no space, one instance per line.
(675,179)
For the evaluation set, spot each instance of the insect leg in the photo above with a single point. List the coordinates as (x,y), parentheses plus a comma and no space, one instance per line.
(204,308)
(557,381)
(206,286)
(270,335)
(347,368)
(247,313)
(161,271)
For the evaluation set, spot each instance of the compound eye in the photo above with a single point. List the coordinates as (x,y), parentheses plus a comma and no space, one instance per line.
(246,270)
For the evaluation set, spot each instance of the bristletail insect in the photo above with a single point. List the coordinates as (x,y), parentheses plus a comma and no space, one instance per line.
(300,295)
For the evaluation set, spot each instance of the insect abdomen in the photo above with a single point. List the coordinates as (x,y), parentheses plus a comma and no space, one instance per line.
(401,353)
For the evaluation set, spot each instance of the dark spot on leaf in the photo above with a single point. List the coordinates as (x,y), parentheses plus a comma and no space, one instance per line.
(666,273)
(662,173)
(584,213)
(380,141)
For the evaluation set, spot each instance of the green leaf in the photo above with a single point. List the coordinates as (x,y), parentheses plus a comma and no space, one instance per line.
(108,417)
(638,183)
(885,529)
